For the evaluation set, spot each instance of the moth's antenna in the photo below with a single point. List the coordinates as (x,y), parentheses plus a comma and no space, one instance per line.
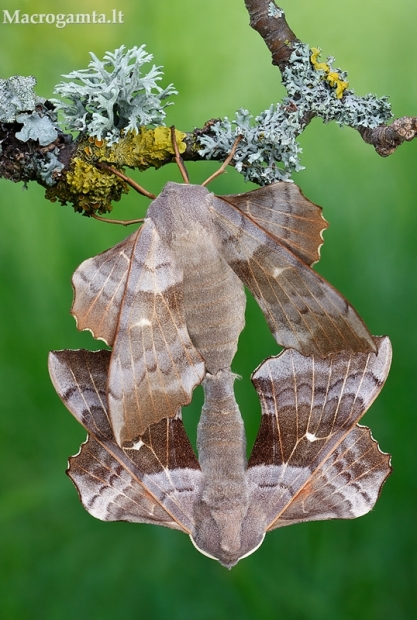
(122,222)
(225,163)
(125,178)
(178,158)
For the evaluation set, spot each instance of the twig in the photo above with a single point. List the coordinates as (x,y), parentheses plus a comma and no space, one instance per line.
(387,138)
(17,158)
(269,21)
(271,24)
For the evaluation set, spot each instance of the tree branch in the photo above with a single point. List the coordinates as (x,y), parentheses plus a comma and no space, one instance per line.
(17,161)
(269,21)
(387,138)
(34,149)
(17,157)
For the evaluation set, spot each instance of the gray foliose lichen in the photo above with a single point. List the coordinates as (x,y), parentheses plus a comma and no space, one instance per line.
(269,150)
(19,103)
(113,96)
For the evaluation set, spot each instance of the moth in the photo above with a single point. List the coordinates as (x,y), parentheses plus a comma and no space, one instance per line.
(170,298)
(311,459)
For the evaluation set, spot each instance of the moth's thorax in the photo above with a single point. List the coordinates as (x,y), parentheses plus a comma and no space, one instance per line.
(214,298)
(179,209)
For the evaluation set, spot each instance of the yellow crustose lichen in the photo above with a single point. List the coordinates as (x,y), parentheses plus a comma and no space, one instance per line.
(331,76)
(92,190)
(148,148)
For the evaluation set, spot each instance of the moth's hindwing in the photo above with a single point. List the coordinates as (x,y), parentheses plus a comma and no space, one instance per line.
(311,460)
(155,480)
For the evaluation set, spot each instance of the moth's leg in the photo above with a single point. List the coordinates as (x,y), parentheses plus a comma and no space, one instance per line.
(178,158)
(224,164)
(130,182)
(127,179)
(122,222)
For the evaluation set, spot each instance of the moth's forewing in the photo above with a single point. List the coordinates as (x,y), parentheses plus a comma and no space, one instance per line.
(346,486)
(154,366)
(310,454)
(109,492)
(303,311)
(282,210)
(99,286)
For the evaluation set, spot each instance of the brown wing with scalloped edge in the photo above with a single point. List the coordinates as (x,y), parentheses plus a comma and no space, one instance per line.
(152,481)
(311,460)
(154,365)
(346,486)
(303,311)
(99,285)
(283,211)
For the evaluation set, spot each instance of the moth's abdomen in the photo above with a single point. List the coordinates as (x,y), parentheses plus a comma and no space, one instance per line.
(214,301)
(221,444)
(220,515)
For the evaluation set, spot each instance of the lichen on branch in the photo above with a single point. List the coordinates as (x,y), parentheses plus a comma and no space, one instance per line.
(268,150)
(93,190)
(269,21)
(113,96)
(119,111)
(107,105)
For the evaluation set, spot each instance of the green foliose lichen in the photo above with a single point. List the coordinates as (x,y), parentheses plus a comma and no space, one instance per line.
(268,150)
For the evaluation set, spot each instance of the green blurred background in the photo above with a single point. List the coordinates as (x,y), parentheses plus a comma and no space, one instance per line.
(58,562)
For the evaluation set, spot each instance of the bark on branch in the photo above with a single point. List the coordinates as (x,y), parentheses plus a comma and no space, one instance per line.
(387,138)
(273,28)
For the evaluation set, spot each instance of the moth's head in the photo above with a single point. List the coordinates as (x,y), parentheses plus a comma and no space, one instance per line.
(183,197)
(226,536)
(171,188)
